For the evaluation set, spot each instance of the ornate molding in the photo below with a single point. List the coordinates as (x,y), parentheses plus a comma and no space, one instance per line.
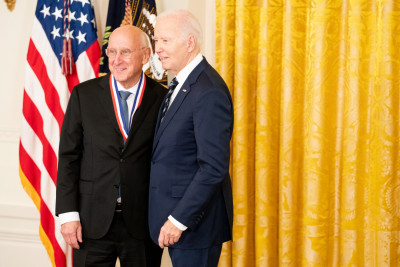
(10,4)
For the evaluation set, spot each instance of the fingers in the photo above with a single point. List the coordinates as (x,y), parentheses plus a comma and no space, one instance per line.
(72,232)
(169,235)
(79,234)
(161,240)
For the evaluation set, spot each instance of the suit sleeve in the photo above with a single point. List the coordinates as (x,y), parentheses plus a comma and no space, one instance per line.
(69,159)
(213,122)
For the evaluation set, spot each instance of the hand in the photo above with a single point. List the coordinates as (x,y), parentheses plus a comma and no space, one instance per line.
(72,233)
(169,234)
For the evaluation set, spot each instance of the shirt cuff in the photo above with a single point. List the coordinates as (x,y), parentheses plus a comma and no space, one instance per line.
(176,223)
(68,217)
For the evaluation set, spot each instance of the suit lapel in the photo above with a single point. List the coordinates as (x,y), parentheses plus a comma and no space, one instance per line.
(180,97)
(106,100)
(140,114)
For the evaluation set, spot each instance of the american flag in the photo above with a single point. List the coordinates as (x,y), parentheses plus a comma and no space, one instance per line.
(45,99)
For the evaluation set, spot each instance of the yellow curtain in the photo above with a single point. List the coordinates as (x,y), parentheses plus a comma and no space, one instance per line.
(315,150)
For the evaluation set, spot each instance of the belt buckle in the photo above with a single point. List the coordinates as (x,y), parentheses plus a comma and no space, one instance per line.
(118,207)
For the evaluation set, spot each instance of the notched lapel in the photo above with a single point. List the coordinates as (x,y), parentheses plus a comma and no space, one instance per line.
(185,90)
(106,100)
(140,114)
(171,112)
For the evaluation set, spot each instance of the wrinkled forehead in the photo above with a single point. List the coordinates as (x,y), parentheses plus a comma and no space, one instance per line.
(167,25)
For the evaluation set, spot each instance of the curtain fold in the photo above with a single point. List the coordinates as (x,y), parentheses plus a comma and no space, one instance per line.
(315,161)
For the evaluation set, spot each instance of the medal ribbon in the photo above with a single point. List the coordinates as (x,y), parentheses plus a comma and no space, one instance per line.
(117,103)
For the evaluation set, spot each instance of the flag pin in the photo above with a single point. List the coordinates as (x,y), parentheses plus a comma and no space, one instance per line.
(184,90)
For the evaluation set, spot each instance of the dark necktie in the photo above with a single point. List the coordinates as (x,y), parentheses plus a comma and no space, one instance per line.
(171,88)
(125,111)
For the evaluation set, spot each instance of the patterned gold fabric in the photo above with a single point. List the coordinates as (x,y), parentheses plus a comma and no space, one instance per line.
(315,151)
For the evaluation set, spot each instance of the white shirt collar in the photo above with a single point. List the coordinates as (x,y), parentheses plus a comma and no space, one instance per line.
(184,73)
(132,90)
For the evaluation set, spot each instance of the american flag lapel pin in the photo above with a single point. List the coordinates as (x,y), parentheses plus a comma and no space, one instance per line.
(184,90)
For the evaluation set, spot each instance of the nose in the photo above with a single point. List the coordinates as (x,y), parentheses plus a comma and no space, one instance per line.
(158,47)
(117,57)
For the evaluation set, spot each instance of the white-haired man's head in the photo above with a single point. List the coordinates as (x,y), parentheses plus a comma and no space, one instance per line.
(188,23)
(177,36)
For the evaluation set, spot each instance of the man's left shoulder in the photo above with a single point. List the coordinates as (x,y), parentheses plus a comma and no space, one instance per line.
(210,79)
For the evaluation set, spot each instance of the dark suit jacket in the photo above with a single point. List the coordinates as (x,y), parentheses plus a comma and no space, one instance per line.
(93,159)
(190,164)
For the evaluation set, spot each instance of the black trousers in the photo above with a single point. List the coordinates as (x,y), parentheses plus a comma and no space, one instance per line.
(117,243)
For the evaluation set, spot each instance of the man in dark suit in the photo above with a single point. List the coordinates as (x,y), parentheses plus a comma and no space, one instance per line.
(104,159)
(190,200)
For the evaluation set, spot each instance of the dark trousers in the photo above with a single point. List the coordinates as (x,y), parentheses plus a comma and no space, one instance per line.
(117,243)
(207,257)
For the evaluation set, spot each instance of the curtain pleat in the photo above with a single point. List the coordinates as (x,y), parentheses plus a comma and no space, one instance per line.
(315,162)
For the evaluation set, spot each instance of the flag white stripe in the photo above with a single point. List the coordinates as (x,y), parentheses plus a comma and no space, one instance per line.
(44,48)
(35,91)
(84,68)
(34,148)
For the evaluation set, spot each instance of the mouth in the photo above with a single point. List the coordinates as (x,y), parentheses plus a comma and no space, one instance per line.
(119,69)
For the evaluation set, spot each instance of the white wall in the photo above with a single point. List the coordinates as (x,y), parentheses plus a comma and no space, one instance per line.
(19,219)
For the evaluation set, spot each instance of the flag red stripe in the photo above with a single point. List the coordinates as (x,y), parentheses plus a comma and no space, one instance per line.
(72,79)
(34,119)
(93,53)
(48,224)
(33,174)
(51,95)
(29,168)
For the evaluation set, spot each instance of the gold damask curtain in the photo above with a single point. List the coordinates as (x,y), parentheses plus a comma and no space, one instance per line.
(315,150)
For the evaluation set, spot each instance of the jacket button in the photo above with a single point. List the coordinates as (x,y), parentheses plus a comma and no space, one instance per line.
(122,160)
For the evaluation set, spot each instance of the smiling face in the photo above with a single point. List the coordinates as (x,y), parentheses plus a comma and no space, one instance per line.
(174,49)
(127,66)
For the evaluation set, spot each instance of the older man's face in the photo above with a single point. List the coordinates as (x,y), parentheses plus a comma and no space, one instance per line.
(126,57)
(170,46)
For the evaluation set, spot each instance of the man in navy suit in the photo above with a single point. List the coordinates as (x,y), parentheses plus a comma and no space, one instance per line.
(190,199)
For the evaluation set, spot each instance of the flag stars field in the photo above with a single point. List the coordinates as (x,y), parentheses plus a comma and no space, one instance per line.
(69,34)
(84,2)
(83,19)
(55,32)
(71,16)
(45,11)
(81,37)
(57,14)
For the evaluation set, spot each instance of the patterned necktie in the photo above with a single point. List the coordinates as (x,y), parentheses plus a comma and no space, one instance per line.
(171,88)
(125,111)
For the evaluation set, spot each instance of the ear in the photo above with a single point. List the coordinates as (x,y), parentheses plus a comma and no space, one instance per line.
(191,43)
(146,55)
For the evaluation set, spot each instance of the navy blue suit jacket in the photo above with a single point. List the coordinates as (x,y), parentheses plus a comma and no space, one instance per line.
(189,176)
